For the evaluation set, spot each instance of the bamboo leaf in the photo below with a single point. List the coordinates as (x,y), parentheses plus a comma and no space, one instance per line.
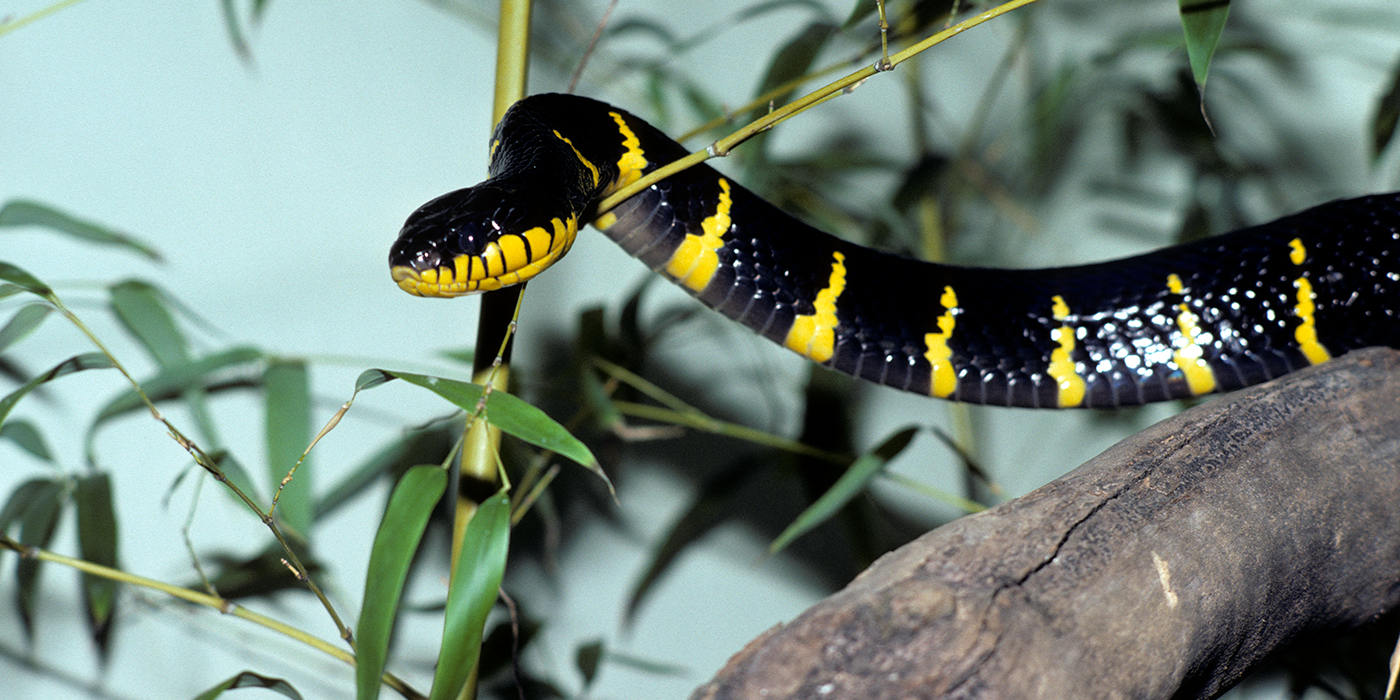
(22,324)
(36,528)
(142,309)
(248,679)
(19,212)
(417,447)
(77,363)
(1387,115)
(394,545)
(510,414)
(794,60)
(27,437)
(287,392)
(471,593)
(29,283)
(852,483)
(587,659)
(97,543)
(1203,21)
(172,382)
(714,502)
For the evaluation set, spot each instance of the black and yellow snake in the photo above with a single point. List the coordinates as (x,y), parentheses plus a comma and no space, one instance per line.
(1214,315)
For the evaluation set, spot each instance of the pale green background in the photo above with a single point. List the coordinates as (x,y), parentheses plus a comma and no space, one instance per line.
(275,192)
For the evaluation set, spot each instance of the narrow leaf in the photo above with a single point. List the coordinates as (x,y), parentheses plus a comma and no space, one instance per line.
(1203,21)
(394,545)
(22,324)
(248,679)
(24,280)
(714,502)
(418,447)
(587,659)
(36,528)
(97,543)
(510,414)
(1387,116)
(142,309)
(287,389)
(24,434)
(77,363)
(172,382)
(24,213)
(851,484)
(471,593)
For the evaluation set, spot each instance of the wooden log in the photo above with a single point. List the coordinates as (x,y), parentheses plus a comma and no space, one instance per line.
(1166,567)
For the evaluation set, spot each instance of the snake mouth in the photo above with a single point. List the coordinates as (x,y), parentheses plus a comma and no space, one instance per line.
(507,261)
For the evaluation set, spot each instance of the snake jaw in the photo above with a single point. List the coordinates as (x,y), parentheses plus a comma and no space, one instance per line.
(509,260)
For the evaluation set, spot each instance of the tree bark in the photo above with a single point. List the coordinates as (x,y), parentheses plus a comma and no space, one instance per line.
(1165,567)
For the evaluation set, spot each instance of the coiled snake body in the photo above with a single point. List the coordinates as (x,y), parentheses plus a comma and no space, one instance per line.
(1214,315)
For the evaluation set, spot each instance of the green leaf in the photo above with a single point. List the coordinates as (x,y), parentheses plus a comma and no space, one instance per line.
(77,363)
(587,659)
(18,212)
(37,523)
(394,545)
(24,280)
(287,389)
(173,381)
(22,324)
(417,447)
(793,61)
(851,484)
(24,434)
(510,414)
(97,543)
(715,501)
(248,679)
(476,581)
(142,309)
(1203,21)
(1387,116)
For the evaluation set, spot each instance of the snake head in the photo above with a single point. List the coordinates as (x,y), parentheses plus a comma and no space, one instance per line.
(474,240)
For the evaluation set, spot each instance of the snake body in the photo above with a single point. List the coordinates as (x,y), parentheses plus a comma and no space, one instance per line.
(1214,315)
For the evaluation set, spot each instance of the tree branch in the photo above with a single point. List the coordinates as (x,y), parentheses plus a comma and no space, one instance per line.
(1165,567)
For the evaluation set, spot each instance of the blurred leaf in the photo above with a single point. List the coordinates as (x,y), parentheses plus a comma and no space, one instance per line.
(171,382)
(24,280)
(851,484)
(18,212)
(235,31)
(1203,21)
(713,503)
(417,447)
(793,61)
(476,581)
(647,666)
(265,573)
(24,434)
(394,546)
(19,500)
(510,414)
(142,309)
(466,357)
(587,659)
(287,391)
(97,543)
(37,523)
(248,679)
(77,363)
(22,324)
(1387,114)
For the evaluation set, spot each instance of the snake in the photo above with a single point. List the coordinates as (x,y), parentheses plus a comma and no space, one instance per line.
(1213,315)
